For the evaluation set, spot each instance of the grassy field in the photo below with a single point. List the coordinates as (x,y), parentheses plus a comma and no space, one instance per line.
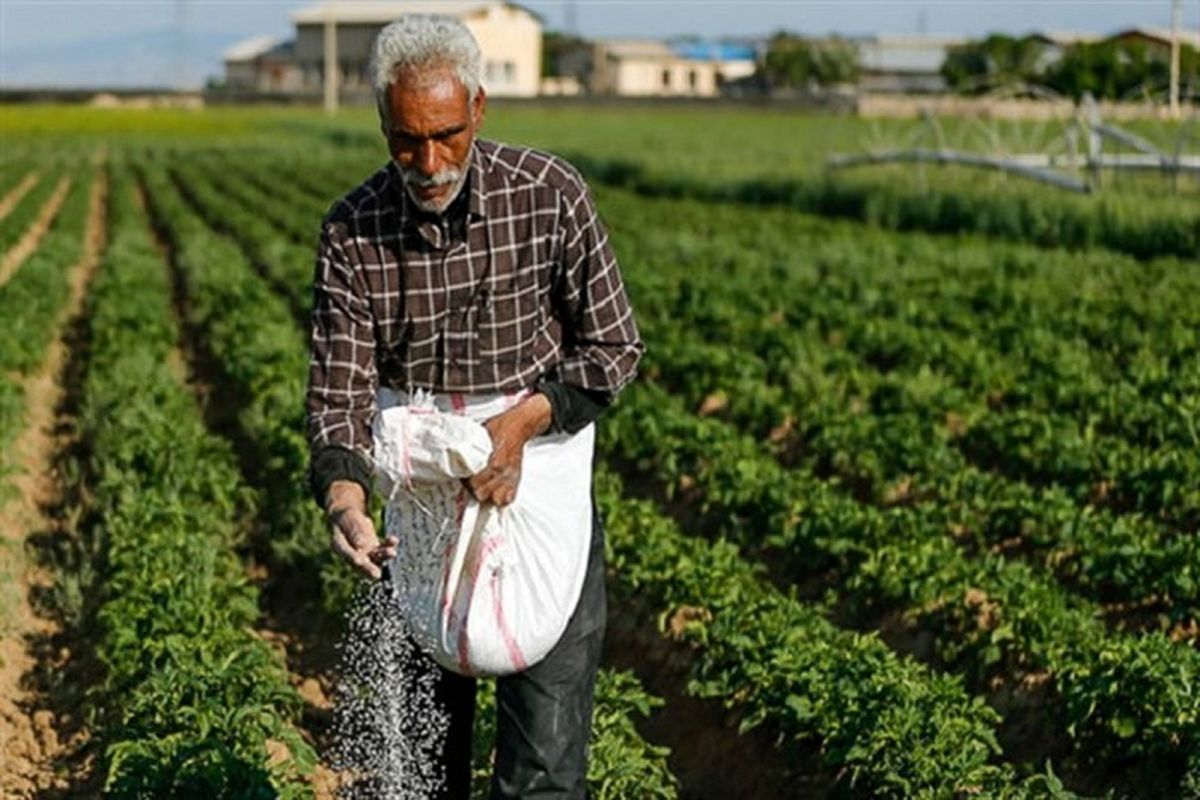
(904,504)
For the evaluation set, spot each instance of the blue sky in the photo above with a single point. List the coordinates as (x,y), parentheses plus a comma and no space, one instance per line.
(179,42)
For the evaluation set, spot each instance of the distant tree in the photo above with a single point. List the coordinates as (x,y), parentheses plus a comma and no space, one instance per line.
(793,61)
(559,49)
(1117,69)
(996,61)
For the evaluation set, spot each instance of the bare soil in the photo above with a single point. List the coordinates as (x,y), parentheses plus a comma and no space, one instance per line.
(306,637)
(708,756)
(38,730)
(20,251)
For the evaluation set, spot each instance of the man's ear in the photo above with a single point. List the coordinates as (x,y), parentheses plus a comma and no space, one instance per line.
(479,107)
(384,127)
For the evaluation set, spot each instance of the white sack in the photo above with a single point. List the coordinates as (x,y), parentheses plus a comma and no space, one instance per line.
(487,590)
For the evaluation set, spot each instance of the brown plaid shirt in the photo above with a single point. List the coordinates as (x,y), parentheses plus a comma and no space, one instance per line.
(514,283)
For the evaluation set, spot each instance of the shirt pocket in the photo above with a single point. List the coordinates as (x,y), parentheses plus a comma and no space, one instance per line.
(511,309)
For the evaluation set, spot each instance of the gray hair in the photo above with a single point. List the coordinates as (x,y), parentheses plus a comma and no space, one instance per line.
(424,40)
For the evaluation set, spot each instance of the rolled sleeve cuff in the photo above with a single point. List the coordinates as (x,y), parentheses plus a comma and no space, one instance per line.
(333,463)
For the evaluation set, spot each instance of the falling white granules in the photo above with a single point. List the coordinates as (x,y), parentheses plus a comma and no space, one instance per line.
(389,729)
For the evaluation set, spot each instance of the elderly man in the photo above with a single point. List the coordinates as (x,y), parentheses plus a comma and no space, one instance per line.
(472,267)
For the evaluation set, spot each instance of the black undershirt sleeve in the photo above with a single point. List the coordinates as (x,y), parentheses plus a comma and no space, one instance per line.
(334,463)
(572,407)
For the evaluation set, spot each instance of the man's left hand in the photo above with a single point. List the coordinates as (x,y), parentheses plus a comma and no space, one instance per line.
(497,482)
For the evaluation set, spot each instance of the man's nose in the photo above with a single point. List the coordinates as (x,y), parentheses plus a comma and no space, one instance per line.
(425,159)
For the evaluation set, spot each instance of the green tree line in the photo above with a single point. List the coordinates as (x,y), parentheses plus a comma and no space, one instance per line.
(1112,69)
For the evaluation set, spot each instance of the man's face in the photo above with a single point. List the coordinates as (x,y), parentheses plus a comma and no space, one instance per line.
(430,125)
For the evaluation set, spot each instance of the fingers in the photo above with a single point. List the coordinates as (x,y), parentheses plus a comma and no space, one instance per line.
(496,486)
(358,558)
(353,538)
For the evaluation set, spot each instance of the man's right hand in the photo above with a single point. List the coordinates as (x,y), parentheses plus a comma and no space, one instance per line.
(352,533)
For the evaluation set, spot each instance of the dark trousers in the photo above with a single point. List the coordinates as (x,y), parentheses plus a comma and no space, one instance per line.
(543,715)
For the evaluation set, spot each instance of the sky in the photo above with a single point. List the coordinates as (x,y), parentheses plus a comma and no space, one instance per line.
(178,43)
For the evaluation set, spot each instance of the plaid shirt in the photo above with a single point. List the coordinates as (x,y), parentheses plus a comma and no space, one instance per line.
(513,284)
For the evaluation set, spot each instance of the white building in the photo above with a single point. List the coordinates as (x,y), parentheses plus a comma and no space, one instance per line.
(651,68)
(509,36)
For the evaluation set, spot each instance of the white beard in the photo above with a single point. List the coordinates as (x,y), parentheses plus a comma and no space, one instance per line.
(456,177)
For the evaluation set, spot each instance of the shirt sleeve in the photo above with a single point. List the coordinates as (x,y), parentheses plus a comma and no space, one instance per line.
(341,381)
(601,338)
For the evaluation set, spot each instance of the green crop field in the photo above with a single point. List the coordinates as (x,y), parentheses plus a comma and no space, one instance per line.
(905,503)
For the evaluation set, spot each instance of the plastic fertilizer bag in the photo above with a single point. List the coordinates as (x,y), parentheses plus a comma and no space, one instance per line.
(487,590)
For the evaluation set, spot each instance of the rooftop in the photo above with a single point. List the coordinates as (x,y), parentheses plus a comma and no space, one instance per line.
(377,11)
(250,49)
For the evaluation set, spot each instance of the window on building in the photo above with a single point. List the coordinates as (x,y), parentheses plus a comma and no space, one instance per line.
(491,71)
(510,71)
(693,79)
(666,78)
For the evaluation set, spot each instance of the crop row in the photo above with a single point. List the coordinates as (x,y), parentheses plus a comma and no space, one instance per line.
(191,700)
(1090,334)
(31,300)
(882,444)
(1045,218)
(892,436)
(253,336)
(1121,695)
(267,230)
(799,362)
(27,210)
(31,305)
(12,177)
(899,730)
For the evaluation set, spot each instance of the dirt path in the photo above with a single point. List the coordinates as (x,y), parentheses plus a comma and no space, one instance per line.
(709,757)
(35,734)
(20,190)
(20,251)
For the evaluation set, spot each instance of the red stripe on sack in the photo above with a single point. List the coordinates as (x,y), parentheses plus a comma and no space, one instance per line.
(471,580)
(460,506)
(514,650)
(458,403)
(464,663)
(446,600)
(406,457)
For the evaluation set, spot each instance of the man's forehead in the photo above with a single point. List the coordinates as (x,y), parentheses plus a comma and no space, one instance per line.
(437,83)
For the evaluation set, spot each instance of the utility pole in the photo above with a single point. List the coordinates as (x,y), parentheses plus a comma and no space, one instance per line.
(331,60)
(571,19)
(180,46)
(1176,21)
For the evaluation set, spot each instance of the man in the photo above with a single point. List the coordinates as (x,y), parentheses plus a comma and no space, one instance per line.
(468,266)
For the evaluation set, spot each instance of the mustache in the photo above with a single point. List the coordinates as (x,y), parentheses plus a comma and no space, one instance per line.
(415,178)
